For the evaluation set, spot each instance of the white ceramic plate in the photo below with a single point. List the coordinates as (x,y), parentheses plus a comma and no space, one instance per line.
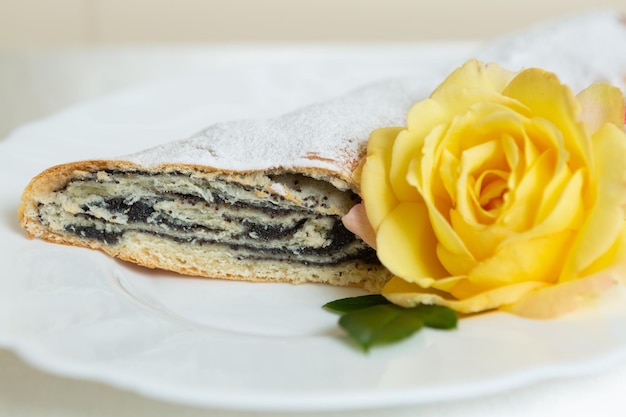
(244,345)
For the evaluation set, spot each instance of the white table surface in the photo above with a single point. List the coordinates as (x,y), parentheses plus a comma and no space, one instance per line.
(37,83)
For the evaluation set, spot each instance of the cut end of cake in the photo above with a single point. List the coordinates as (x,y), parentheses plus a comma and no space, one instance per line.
(255,226)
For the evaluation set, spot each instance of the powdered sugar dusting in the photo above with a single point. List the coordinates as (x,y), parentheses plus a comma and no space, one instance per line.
(329,135)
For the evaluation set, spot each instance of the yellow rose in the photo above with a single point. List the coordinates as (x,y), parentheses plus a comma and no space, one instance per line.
(504,191)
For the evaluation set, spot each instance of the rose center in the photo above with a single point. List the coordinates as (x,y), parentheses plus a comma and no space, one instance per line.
(491,189)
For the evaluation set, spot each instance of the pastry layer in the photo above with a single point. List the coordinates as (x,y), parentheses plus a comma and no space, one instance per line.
(253,221)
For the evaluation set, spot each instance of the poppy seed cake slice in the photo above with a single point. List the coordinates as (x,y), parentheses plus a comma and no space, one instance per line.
(246,200)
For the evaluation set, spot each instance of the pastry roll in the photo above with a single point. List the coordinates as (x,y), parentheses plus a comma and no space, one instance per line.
(258,200)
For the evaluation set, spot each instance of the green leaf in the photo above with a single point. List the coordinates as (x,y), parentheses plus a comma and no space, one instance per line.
(380,324)
(345,305)
(437,317)
(373,320)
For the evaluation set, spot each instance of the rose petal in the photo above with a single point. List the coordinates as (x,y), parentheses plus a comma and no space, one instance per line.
(356,221)
(474,83)
(616,255)
(407,144)
(605,220)
(547,98)
(568,210)
(407,245)
(475,160)
(420,174)
(376,189)
(481,240)
(407,294)
(601,103)
(524,259)
(555,187)
(448,175)
(559,299)
(524,199)
(424,115)
(475,74)
(565,297)
(456,263)
(460,101)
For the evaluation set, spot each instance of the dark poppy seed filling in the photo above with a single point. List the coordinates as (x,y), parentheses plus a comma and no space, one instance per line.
(287,217)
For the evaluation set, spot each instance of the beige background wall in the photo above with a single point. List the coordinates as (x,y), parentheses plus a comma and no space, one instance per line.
(47,61)
(45,23)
